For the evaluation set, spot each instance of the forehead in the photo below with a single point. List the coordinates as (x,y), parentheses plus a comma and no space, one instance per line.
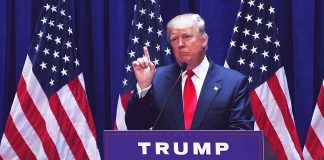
(184,30)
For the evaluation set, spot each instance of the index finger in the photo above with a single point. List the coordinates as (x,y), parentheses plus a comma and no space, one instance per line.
(146,53)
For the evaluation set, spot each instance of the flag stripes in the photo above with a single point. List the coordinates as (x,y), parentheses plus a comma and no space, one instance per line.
(263,123)
(16,141)
(80,96)
(314,145)
(271,112)
(36,121)
(75,140)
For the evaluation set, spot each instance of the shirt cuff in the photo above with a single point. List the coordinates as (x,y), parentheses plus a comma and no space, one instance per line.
(142,92)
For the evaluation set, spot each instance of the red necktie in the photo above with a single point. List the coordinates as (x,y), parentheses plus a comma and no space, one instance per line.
(189,100)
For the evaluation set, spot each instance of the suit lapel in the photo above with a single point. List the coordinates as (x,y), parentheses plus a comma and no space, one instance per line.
(210,89)
(175,102)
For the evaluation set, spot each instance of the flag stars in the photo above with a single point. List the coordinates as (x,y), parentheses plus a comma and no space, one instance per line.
(142,11)
(256,35)
(139,25)
(125,82)
(53,9)
(44,20)
(248,18)
(49,37)
(232,43)
(157,47)
(271,10)
(269,24)
(260,6)
(156,62)
(150,29)
(46,51)
(57,40)
(66,58)
(153,1)
(276,57)
(241,61)
(254,50)
(243,46)
(167,51)
(277,43)
(263,68)
(64,72)
(60,26)
(62,12)
(239,14)
(251,3)
(246,32)
(235,29)
(54,68)
(159,33)
(43,65)
(76,62)
(37,47)
(160,19)
(68,44)
(47,7)
(250,79)
(147,43)
(258,21)
(40,34)
(51,82)
(56,54)
(265,54)
(70,31)
(135,40)
(251,64)
(128,68)
(131,54)
(267,39)
(51,23)
(152,15)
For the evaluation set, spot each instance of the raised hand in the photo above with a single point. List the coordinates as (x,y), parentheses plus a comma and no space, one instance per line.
(144,70)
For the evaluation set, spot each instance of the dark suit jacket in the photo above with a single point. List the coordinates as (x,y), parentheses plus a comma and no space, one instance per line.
(225,108)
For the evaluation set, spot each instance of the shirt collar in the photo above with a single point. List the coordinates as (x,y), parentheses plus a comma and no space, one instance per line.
(201,70)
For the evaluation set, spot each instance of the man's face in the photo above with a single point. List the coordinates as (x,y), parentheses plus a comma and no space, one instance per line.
(188,46)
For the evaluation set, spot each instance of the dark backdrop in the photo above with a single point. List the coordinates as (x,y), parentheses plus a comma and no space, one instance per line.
(102,28)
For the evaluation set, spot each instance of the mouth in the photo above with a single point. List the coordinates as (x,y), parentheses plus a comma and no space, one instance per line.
(183,53)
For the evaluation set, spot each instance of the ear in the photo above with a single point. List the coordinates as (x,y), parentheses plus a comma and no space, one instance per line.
(204,40)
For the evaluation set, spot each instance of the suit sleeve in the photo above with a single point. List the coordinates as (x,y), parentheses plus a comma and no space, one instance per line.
(139,112)
(241,117)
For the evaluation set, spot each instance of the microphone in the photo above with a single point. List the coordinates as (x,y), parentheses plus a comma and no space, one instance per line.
(183,68)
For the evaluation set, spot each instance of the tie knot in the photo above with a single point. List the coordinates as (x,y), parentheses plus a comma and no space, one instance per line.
(190,73)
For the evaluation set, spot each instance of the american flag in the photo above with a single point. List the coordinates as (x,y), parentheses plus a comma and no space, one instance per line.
(314,146)
(146,31)
(50,117)
(254,51)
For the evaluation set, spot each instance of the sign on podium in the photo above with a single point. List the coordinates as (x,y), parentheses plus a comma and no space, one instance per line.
(183,145)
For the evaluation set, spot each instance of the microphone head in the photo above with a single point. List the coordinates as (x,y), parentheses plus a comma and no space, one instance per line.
(184,66)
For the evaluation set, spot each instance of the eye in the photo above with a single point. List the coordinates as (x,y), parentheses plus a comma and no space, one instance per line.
(187,37)
(173,39)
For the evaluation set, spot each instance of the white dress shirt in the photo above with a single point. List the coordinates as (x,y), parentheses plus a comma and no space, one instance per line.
(199,76)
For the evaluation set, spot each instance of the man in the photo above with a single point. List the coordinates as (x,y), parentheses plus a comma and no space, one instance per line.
(208,96)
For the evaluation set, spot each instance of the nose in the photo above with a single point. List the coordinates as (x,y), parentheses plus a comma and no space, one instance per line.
(180,43)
